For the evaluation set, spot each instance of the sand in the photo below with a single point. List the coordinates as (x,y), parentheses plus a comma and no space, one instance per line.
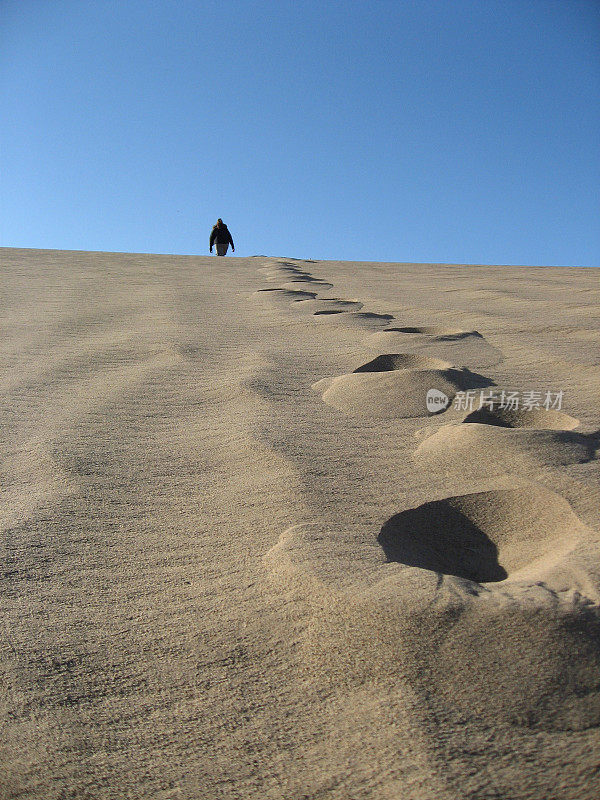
(242,559)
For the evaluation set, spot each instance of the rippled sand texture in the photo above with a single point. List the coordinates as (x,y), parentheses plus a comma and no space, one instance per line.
(240,559)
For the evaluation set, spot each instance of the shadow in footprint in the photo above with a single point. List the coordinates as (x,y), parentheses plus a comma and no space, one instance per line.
(331,305)
(464,379)
(542,418)
(291,274)
(308,286)
(444,334)
(365,317)
(456,337)
(371,315)
(405,330)
(290,295)
(305,277)
(438,537)
(486,536)
(460,378)
(391,361)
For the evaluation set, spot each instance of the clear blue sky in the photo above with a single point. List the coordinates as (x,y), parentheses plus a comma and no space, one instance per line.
(461,131)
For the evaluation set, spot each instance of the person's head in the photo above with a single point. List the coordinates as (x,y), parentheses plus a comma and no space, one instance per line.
(219,222)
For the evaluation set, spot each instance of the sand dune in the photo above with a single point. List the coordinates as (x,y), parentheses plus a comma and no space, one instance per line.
(242,558)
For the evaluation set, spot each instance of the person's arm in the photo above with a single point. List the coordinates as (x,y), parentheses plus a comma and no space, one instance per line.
(231,241)
(213,233)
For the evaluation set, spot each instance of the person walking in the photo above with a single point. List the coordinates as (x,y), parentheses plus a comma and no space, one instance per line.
(221,237)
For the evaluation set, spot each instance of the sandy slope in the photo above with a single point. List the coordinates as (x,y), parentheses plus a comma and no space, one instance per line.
(241,560)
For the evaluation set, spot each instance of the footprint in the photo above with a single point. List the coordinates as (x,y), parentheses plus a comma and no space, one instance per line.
(388,388)
(282,265)
(308,285)
(392,361)
(451,344)
(277,273)
(356,319)
(436,331)
(306,277)
(477,450)
(284,295)
(541,418)
(279,268)
(330,305)
(486,536)
(464,597)
(286,276)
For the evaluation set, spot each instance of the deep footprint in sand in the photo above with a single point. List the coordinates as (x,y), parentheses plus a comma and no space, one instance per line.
(288,272)
(284,296)
(312,284)
(540,418)
(433,330)
(304,277)
(452,344)
(272,277)
(485,536)
(280,268)
(329,305)
(397,385)
(485,590)
(508,534)
(532,619)
(487,450)
(388,362)
(368,320)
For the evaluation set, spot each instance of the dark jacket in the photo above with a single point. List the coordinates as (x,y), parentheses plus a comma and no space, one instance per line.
(220,234)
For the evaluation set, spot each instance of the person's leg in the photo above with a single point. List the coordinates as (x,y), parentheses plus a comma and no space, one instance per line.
(222,248)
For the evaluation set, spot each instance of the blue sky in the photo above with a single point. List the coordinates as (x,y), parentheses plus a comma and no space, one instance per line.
(458,131)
